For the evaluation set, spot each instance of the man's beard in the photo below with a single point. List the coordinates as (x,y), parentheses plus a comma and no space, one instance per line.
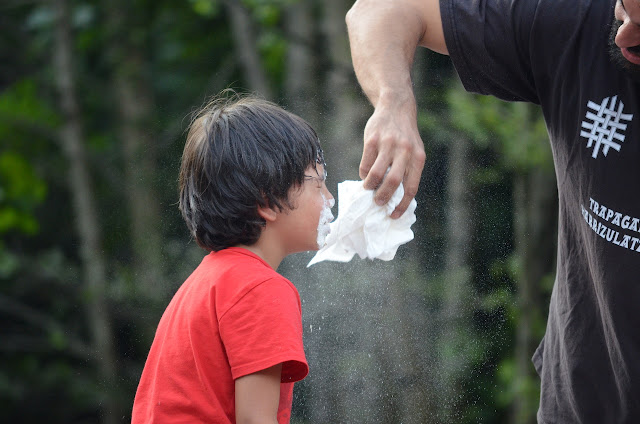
(631,69)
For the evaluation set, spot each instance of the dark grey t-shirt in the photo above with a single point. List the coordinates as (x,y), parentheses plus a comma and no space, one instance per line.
(554,53)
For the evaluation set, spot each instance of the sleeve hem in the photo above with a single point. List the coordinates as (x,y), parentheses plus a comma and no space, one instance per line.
(294,368)
(455,53)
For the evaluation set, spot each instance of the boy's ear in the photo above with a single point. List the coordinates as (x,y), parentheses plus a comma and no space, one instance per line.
(267,213)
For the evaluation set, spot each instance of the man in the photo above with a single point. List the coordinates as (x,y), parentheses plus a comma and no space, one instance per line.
(580,61)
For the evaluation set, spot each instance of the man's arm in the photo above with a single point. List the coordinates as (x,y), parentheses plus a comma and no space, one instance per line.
(258,397)
(383,36)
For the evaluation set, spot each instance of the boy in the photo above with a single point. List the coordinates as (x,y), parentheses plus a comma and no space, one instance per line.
(228,347)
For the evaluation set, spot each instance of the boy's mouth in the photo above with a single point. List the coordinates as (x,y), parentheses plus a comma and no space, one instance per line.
(323,225)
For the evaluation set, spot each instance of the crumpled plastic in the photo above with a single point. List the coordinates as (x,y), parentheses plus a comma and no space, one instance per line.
(365,228)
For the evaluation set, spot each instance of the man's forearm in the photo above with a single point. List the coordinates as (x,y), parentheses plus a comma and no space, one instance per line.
(383,36)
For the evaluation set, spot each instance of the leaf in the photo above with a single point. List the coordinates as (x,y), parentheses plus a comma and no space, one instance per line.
(208,8)
(21,190)
(22,103)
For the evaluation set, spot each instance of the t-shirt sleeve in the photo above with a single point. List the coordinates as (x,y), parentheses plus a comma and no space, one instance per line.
(264,328)
(509,48)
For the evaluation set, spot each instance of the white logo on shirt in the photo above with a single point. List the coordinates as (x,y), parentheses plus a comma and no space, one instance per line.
(603,126)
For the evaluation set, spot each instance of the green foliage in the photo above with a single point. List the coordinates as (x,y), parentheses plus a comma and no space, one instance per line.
(22,110)
(21,190)
(513,387)
(272,43)
(509,141)
(516,130)
(8,262)
(187,53)
(207,8)
(273,48)
(266,12)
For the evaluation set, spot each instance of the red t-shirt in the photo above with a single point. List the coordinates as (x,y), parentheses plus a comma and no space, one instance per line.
(233,316)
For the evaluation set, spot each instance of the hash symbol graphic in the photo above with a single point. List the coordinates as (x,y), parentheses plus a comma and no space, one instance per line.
(602,125)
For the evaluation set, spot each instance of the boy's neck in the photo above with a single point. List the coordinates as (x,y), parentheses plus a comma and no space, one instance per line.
(267,253)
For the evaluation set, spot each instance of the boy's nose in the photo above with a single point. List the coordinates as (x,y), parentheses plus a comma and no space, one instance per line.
(329,197)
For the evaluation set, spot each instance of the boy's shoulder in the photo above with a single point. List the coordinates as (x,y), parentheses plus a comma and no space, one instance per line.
(235,262)
(231,273)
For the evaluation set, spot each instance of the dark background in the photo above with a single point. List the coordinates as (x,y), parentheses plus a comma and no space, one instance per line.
(95,97)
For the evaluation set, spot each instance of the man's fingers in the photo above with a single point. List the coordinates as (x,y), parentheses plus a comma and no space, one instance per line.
(402,207)
(390,183)
(411,182)
(370,150)
(369,155)
(374,164)
(376,176)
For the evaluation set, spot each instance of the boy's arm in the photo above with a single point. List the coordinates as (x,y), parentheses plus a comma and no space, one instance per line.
(258,396)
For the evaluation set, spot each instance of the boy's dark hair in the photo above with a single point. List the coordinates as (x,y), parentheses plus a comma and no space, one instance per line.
(241,152)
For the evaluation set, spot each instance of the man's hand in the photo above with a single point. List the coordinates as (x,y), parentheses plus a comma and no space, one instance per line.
(392,141)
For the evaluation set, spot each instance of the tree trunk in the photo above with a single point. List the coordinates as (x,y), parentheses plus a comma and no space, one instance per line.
(301,89)
(347,109)
(534,197)
(245,42)
(87,223)
(458,227)
(454,315)
(133,101)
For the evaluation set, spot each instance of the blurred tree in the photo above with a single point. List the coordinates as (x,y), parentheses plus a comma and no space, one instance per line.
(133,104)
(73,142)
(301,87)
(423,339)
(517,133)
(245,39)
(346,109)
(456,346)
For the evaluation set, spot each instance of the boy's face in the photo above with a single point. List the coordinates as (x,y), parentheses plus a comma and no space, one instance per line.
(305,226)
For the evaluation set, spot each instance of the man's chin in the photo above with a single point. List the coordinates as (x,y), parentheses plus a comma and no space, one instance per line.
(632,70)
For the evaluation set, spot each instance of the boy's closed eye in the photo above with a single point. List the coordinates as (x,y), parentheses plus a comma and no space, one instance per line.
(319,179)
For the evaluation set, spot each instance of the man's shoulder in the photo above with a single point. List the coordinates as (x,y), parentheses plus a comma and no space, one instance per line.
(511,48)
(563,15)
